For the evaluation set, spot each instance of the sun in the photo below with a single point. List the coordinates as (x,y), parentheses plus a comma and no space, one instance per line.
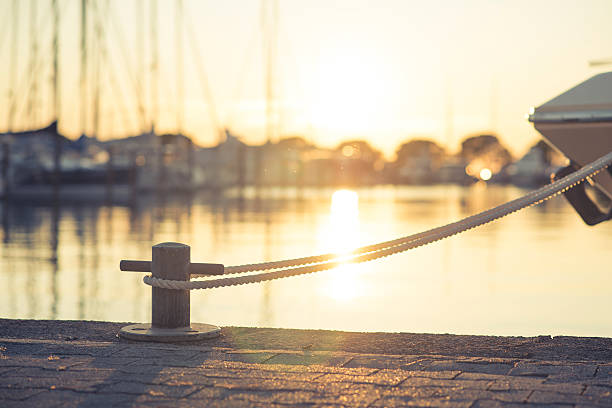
(349,90)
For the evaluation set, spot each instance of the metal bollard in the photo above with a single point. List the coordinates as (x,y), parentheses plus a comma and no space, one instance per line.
(170,317)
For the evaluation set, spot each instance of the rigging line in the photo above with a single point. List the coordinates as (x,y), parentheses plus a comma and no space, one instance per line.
(126,60)
(536,197)
(203,76)
(106,61)
(290,55)
(33,92)
(4,29)
(29,79)
(249,52)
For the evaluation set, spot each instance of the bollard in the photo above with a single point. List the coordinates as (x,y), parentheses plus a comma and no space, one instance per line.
(170,316)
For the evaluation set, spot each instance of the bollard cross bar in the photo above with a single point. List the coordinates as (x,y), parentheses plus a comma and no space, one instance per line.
(170,320)
(195,268)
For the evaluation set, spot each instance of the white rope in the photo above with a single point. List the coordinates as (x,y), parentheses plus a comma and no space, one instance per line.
(293,267)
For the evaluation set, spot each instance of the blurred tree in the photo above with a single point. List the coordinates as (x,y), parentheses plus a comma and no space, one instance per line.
(359,149)
(420,148)
(359,163)
(484,152)
(418,162)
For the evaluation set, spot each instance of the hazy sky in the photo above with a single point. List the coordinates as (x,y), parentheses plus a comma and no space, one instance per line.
(383,70)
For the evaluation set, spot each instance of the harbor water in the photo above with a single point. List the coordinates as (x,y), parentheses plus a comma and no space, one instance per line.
(539,271)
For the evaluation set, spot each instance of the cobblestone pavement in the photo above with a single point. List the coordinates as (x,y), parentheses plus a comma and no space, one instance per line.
(47,367)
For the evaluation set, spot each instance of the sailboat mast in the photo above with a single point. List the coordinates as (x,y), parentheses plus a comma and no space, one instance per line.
(140,62)
(83,82)
(54,58)
(270,21)
(57,151)
(154,65)
(33,92)
(178,26)
(13,66)
(98,13)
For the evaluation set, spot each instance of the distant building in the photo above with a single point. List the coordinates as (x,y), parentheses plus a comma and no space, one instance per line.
(536,166)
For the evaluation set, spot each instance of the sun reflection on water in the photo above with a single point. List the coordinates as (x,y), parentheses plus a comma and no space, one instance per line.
(341,235)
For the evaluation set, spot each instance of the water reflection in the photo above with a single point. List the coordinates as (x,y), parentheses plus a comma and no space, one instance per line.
(532,272)
(340,235)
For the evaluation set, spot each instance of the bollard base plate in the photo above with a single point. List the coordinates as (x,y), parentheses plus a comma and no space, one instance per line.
(145,332)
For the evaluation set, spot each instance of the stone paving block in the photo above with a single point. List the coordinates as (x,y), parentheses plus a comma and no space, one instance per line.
(410,392)
(64,398)
(17,394)
(449,375)
(393,401)
(156,390)
(565,388)
(263,384)
(497,360)
(378,361)
(382,377)
(318,369)
(357,395)
(251,373)
(51,362)
(470,367)
(484,403)
(549,370)
(307,359)
(516,396)
(548,397)
(603,394)
(6,370)
(166,362)
(418,364)
(157,353)
(265,398)
(480,376)
(235,403)
(604,371)
(47,347)
(208,393)
(48,383)
(245,356)
(434,382)
(106,362)
(76,372)
(515,383)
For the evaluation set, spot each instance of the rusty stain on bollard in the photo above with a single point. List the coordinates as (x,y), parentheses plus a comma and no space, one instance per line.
(170,314)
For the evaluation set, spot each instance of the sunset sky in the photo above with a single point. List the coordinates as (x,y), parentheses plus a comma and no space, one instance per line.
(384,71)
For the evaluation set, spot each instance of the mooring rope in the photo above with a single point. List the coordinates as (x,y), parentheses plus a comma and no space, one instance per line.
(305,265)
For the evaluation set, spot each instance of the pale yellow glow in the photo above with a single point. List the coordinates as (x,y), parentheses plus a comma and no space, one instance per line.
(341,235)
(350,89)
(485,174)
(348,150)
(344,284)
(344,205)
